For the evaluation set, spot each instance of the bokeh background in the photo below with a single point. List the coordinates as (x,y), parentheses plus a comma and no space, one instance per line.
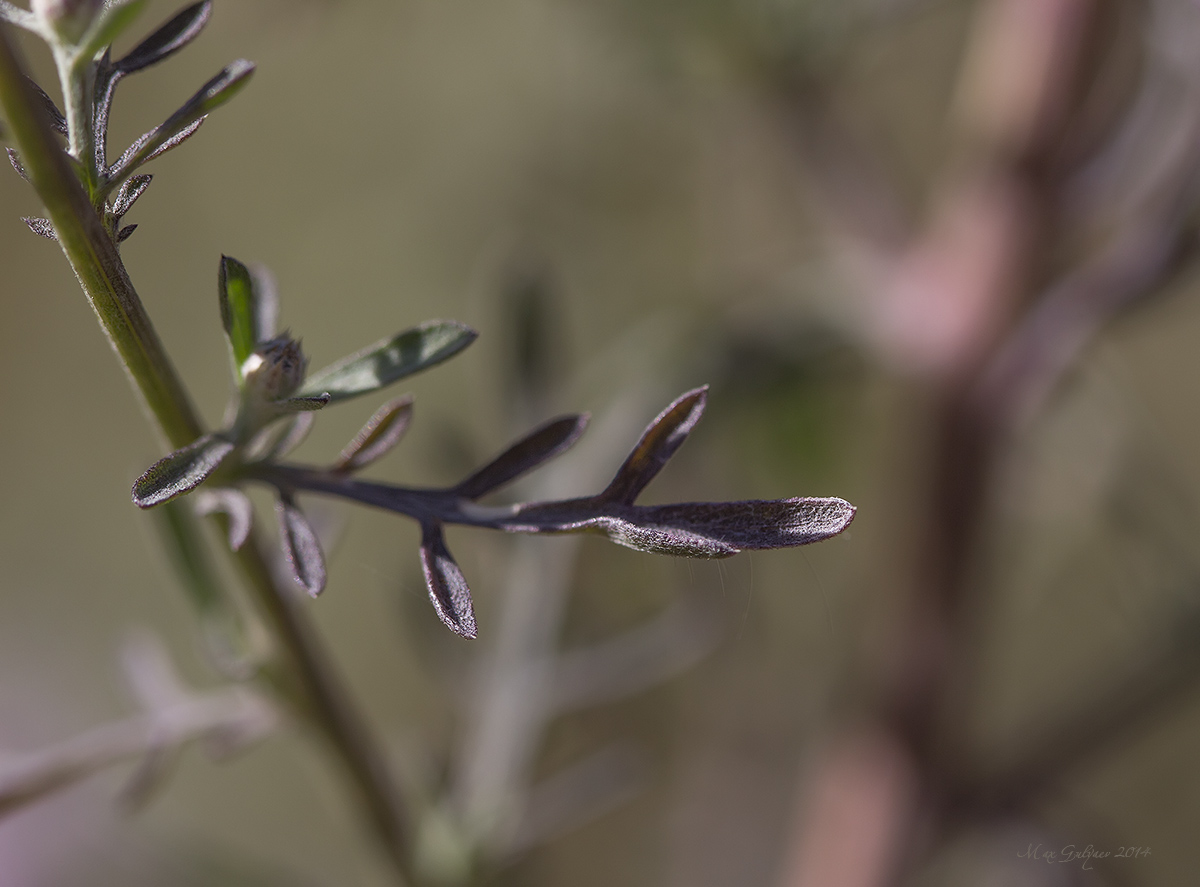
(628,199)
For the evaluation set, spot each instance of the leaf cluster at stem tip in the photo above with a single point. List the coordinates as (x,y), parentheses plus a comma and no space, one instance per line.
(80,34)
(276,400)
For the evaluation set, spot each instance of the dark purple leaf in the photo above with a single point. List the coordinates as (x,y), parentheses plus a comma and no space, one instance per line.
(125,233)
(168,39)
(133,188)
(15,159)
(301,546)
(58,122)
(695,529)
(526,454)
(186,120)
(659,442)
(447,588)
(181,471)
(41,227)
(382,432)
(176,140)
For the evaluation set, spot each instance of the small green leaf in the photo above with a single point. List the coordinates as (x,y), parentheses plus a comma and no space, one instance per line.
(390,360)
(181,471)
(115,18)
(235,287)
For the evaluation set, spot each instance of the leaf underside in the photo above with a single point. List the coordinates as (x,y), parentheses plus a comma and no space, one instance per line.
(181,471)
(301,546)
(447,588)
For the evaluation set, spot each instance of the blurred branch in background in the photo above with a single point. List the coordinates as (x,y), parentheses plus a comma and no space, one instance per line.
(225,721)
(964,311)
(522,681)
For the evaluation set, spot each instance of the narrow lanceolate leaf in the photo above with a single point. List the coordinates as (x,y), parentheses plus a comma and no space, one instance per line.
(176,140)
(40,227)
(134,187)
(116,16)
(15,159)
(659,442)
(181,471)
(526,454)
(301,547)
(168,39)
(125,233)
(235,290)
(447,588)
(390,360)
(696,529)
(235,505)
(382,432)
(213,94)
(301,404)
(58,121)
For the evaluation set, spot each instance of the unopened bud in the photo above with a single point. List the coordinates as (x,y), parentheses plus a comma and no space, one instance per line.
(275,369)
(68,18)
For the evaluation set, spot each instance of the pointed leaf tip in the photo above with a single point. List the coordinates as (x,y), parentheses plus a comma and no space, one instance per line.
(186,120)
(657,445)
(235,290)
(181,471)
(390,360)
(696,529)
(41,227)
(540,445)
(753,525)
(168,39)
(447,588)
(382,432)
(301,546)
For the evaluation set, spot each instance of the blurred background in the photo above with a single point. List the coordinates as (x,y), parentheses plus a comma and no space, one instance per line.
(934,257)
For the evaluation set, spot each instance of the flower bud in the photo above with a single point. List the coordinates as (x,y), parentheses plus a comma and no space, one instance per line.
(69,19)
(275,369)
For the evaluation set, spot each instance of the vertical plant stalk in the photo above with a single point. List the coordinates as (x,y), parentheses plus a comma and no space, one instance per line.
(94,259)
(884,786)
(301,672)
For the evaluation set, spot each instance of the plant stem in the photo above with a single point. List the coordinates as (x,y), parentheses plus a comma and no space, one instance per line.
(303,674)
